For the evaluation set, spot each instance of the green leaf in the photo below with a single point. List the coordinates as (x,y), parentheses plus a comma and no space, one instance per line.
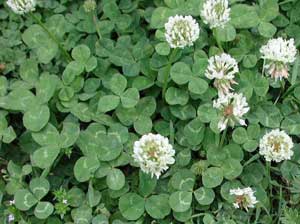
(162,48)
(20,99)
(121,56)
(132,206)
(109,148)
(82,112)
(130,98)
(180,201)
(93,196)
(180,73)
(111,10)
(115,179)
(91,64)
(183,180)
(118,84)
(206,113)
(226,33)
(29,71)
(143,125)
(268,10)
(43,210)
(89,141)
(39,187)
(108,103)
(243,16)
(47,136)
(239,135)
(81,53)
(194,132)
(175,96)
(3,85)
(212,177)
(267,29)
(204,196)
(157,206)
(147,183)
(291,124)
(82,215)
(85,167)
(45,156)
(72,70)
(249,61)
(160,16)
(269,115)
(36,118)
(261,86)
(69,134)
(24,200)
(232,169)
(46,87)
(36,38)
(8,135)
(197,85)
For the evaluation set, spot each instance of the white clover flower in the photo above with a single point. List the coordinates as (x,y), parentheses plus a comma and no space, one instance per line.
(232,107)
(181,31)
(278,53)
(215,13)
(11,202)
(10,218)
(276,146)
(21,6)
(222,69)
(153,153)
(244,198)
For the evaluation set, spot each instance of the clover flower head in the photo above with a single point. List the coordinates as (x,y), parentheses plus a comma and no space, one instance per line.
(244,198)
(232,107)
(276,146)
(11,202)
(278,53)
(222,69)
(215,13)
(181,31)
(21,6)
(153,153)
(89,5)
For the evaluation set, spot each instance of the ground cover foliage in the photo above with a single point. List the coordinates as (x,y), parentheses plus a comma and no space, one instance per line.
(75,100)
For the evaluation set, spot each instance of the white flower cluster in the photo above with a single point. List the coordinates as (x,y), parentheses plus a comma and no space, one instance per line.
(244,198)
(278,53)
(153,153)
(222,69)
(181,31)
(21,6)
(276,146)
(232,107)
(216,13)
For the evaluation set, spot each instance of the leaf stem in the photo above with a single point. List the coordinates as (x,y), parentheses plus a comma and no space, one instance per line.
(218,40)
(95,20)
(280,92)
(268,167)
(223,138)
(52,37)
(167,72)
